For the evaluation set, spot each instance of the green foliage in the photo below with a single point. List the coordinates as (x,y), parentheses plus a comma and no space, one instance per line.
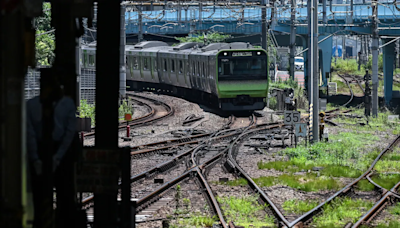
(244,211)
(211,37)
(290,83)
(299,206)
(125,108)
(44,22)
(45,44)
(386,181)
(395,210)
(199,221)
(348,66)
(380,63)
(308,183)
(391,224)
(87,110)
(341,211)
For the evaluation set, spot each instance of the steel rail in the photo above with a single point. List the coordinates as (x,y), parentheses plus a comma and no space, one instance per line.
(123,124)
(210,195)
(367,217)
(351,90)
(250,181)
(347,188)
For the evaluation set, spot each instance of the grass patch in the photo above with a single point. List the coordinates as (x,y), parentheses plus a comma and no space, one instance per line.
(197,221)
(297,165)
(308,183)
(395,210)
(299,206)
(344,149)
(245,211)
(386,181)
(391,224)
(342,211)
(364,185)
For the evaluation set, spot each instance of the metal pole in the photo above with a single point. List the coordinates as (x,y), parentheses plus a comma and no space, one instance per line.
(313,69)
(78,71)
(324,18)
(107,88)
(140,35)
(122,70)
(343,47)
(264,25)
(292,37)
(375,81)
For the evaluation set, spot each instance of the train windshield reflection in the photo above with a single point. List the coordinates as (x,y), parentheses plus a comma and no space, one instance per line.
(242,68)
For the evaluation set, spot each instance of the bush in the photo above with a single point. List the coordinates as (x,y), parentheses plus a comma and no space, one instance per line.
(349,66)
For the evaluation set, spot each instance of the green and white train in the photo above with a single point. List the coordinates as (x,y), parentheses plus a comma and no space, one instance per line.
(230,76)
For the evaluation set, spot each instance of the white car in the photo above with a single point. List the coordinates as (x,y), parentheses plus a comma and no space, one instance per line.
(299,63)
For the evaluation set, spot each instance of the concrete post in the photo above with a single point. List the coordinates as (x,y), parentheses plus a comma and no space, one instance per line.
(122,59)
(388,59)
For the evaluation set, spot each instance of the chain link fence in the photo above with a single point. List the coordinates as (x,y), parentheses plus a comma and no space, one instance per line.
(87,80)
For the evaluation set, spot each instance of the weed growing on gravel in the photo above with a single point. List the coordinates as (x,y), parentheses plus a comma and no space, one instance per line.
(344,149)
(386,181)
(342,211)
(299,206)
(308,183)
(244,211)
(198,221)
(296,165)
(364,185)
(395,210)
(391,224)
(389,162)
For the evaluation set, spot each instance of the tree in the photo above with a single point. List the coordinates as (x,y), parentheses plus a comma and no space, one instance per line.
(44,41)
(210,37)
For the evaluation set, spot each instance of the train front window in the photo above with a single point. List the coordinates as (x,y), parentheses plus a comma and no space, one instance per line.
(242,68)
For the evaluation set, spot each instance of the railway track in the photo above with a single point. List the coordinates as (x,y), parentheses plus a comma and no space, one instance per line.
(348,82)
(202,157)
(153,114)
(348,189)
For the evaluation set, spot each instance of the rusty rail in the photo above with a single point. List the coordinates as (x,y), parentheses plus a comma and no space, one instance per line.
(351,90)
(379,206)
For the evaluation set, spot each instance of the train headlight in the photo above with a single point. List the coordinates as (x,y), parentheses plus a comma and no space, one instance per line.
(225,53)
(258,53)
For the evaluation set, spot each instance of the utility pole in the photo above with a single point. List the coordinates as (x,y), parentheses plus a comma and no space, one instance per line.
(122,69)
(264,25)
(375,40)
(292,37)
(313,69)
